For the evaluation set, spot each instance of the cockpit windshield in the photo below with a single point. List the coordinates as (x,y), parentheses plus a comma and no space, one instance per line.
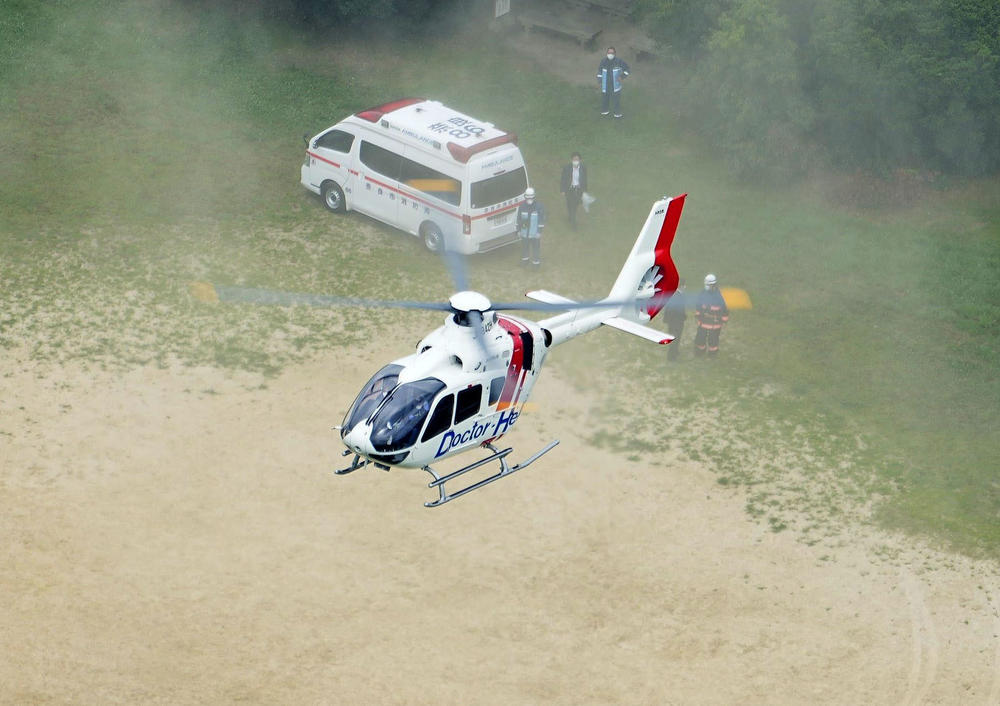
(372,394)
(397,424)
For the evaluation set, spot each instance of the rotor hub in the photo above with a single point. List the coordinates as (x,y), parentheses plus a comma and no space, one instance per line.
(469,301)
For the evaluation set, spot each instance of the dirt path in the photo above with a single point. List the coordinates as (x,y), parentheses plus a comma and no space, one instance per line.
(174,536)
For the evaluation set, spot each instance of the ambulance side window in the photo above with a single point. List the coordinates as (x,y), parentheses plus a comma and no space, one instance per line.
(380,160)
(336,140)
(496,388)
(469,401)
(440,418)
(430,181)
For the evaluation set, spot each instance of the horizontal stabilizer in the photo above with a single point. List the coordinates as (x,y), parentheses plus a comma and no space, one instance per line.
(547,297)
(650,334)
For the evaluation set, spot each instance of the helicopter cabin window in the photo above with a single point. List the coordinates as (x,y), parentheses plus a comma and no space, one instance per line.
(397,423)
(380,160)
(469,401)
(440,417)
(336,140)
(431,182)
(496,389)
(372,394)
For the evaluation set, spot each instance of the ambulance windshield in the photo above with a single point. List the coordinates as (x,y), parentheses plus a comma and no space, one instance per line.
(397,424)
(499,188)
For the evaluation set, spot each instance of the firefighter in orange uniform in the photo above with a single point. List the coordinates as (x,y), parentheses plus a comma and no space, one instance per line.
(712,314)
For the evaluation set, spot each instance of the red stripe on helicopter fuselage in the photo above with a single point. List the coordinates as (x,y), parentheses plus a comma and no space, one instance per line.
(511,392)
(515,369)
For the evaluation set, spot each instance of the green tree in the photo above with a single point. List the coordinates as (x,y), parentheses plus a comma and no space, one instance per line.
(906,83)
(682,25)
(749,89)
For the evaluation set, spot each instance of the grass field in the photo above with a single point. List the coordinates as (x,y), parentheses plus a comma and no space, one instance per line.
(145,146)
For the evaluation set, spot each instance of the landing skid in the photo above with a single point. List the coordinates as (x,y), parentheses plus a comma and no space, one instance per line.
(497,455)
(356,463)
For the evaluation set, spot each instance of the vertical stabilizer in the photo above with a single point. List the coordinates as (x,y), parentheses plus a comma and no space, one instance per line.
(649,272)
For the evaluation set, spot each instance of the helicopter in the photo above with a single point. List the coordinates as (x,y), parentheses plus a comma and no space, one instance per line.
(467,383)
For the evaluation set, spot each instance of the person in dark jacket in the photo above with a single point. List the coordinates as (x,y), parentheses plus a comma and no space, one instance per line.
(675,314)
(530,222)
(611,75)
(573,184)
(712,314)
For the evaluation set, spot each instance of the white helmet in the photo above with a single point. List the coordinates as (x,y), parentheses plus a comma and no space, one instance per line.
(710,280)
(529,193)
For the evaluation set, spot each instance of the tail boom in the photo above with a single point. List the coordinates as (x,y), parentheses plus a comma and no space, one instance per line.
(646,281)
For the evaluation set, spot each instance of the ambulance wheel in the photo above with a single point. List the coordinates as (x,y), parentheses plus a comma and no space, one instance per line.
(333,197)
(433,237)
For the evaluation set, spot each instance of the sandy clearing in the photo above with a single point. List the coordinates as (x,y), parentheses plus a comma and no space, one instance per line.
(175,536)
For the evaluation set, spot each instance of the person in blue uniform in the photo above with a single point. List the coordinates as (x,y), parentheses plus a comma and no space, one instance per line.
(611,75)
(675,314)
(530,222)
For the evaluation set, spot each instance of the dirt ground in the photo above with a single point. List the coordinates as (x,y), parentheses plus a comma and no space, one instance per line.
(176,536)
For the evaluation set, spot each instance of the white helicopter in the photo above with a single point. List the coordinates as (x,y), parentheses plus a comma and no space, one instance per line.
(468,381)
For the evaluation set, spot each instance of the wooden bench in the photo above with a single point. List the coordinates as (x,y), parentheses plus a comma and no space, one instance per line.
(565,26)
(622,8)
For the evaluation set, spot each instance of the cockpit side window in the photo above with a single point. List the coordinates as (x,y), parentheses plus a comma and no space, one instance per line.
(440,417)
(397,423)
(372,394)
(496,389)
(468,404)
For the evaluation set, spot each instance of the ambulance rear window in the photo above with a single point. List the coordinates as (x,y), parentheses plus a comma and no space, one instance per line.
(498,189)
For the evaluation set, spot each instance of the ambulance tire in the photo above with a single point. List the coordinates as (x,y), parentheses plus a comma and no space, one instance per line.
(432,236)
(333,197)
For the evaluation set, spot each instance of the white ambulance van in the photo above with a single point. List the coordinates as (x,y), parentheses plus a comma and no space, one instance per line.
(420,166)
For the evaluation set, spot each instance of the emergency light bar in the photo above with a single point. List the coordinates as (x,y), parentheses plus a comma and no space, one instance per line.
(463,154)
(373,115)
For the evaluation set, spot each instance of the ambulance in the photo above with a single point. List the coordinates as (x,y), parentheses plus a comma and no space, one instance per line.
(450,179)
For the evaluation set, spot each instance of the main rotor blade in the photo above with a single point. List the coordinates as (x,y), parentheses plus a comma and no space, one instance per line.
(205,291)
(456,267)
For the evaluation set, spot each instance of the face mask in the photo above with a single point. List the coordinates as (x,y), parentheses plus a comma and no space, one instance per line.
(611,56)
(576,162)
(530,200)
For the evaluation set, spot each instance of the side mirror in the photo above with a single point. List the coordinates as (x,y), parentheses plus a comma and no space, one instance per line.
(305,138)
